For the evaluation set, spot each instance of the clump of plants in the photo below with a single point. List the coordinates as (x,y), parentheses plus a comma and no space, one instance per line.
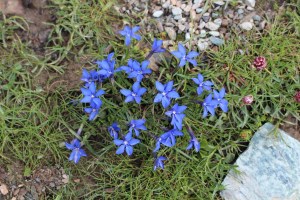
(167,98)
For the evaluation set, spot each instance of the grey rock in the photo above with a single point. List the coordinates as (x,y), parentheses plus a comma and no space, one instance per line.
(267,170)
(176,11)
(199,10)
(220,3)
(216,41)
(181,27)
(250,8)
(171,33)
(202,45)
(218,21)
(246,26)
(256,18)
(240,11)
(212,26)
(214,15)
(158,13)
(214,33)
(166,4)
(178,17)
(201,24)
(202,33)
(250,3)
(188,8)
(198,1)
(187,36)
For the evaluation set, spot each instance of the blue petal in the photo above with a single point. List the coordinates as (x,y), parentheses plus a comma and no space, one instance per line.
(160,87)
(127,40)
(141,91)
(99,93)
(138,99)
(158,98)
(192,54)
(121,149)
(196,81)
(137,37)
(97,101)
(211,110)
(92,115)
(169,86)
(88,110)
(125,92)
(86,99)
(129,99)
(177,54)
(182,62)
(69,146)
(136,87)
(129,150)
(135,29)
(222,93)
(165,102)
(173,94)
(118,142)
(193,62)
(92,87)
(134,141)
(86,92)
(181,49)
(189,146)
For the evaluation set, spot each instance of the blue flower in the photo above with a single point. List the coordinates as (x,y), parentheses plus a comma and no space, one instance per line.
(126,144)
(129,68)
(107,67)
(130,33)
(223,103)
(194,143)
(177,115)
(206,85)
(170,137)
(114,130)
(90,95)
(167,93)
(158,163)
(77,152)
(139,71)
(135,94)
(164,139)
(156,46)
(89,77)
(181,54)
(137,125)
(209,105)
(93,110)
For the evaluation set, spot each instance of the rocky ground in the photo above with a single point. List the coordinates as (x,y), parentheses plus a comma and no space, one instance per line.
(201,23)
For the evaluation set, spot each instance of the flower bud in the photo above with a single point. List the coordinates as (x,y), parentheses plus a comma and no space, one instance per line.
(260,63)
(297,96)
(247,100)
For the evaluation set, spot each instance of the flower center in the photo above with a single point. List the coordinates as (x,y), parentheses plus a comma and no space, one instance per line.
(140,72)
(174,112)
(164,94)
(125,142)
(94,110)
(92,96)
(133,94)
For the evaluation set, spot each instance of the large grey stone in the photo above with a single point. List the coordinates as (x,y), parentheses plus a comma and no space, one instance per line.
(268,170)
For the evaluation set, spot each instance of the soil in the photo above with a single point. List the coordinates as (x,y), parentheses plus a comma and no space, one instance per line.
(40,183)
(291,126)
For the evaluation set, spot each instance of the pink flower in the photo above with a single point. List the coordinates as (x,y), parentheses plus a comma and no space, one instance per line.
(260,63)
(247,100)
(297,96)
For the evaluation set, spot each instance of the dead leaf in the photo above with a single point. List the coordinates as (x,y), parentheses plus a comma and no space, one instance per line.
(3,189)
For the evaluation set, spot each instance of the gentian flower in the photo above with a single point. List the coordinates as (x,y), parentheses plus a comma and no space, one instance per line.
(171,137)
(177,115)
(181,54)
(135,94)
(206,85)
(91,95)
(156,46)
(89,77)
(209,105)
(158,163)
(114,130)
(193,142)
(167,93)
(219,96)
(139,71)
(161,140)
(77,152)
(107,66)
(129,68)
(137,125)
(130,33)
(126,144)
(93,110)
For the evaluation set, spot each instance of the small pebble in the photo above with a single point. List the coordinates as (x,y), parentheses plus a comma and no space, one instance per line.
(216,41)
(246,26)
(220,3)
(158,13)
(212,26)
(214,33)
(256,18)
(202,45)
(203,33)
(176,11)
(187,36)
(240,11)
(218,21)
(199,10)
(171,33)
